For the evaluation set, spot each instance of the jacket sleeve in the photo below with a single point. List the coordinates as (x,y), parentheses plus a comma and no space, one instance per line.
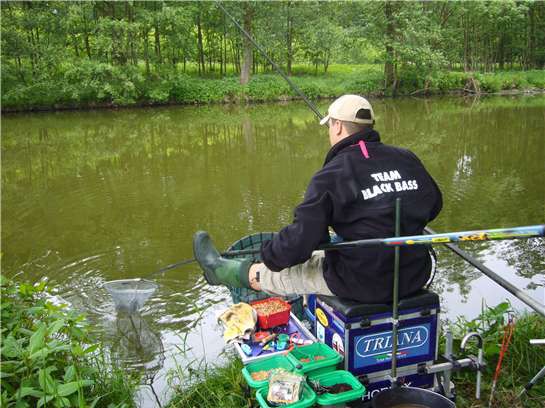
(295,243)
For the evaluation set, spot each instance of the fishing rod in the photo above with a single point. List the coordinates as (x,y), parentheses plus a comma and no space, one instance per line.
(531,231)
(504,283)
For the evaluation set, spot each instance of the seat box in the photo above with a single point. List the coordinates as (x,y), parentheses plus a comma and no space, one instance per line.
(363,333)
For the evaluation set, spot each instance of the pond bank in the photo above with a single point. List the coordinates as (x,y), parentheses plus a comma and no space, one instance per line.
(95,88)
(52,343)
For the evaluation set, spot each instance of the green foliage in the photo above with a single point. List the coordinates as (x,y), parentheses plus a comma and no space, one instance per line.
(75,54)
(511,80)
(489,324)
(100,84)
(447,81)
(536,78)
(267,87)
(521,361)
(47,359)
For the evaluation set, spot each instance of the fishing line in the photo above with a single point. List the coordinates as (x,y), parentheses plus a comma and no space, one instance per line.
(276,67)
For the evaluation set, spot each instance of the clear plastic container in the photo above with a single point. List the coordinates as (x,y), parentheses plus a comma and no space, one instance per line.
(307,398)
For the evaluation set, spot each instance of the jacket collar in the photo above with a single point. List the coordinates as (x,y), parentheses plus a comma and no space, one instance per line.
(367,135)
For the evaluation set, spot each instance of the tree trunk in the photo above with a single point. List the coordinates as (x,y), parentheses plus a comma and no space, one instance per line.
(501,52)
(146,50)
(128,33)
(247,45)
(467,62)
(113,35)
(20,69)
(200,46)
(210,48)
(32,57)
(76,48)
(326,62)
(86,34)
(531,37)
(130,39)
(289,38)
(222,48)
(224,45)
(255,63)
(157,35)
(389,67)
(236,56)
(87,46)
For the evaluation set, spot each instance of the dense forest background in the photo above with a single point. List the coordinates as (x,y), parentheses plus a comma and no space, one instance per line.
(127,51)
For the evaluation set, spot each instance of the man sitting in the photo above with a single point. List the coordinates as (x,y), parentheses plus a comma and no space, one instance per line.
(354,194)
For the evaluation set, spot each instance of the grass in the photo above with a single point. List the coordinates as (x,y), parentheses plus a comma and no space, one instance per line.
(211,386)
(224,385)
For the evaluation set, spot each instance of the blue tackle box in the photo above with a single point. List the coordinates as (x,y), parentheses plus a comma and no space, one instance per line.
(362,333)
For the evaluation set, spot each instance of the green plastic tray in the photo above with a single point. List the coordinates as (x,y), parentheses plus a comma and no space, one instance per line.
(314,367)
(308,398)
(265,364)
(337,377)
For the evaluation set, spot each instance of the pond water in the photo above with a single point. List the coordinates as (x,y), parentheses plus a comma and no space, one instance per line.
(89,197)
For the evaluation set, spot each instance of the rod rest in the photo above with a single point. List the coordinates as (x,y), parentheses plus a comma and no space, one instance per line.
(351,308)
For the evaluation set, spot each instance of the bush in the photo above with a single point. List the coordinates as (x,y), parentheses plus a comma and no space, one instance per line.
(267,87)
(510,80)
(536,78)
(447,81)
(93,81)
(410,80)
(366,83)
(47,358)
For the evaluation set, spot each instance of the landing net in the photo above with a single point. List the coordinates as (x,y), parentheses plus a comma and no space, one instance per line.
(129,295)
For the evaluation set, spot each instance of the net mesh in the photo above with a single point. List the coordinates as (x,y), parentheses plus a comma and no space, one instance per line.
(129,295)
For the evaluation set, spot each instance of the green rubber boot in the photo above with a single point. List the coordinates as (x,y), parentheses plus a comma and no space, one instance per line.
(218,270)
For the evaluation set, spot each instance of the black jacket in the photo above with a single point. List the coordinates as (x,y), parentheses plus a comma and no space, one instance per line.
(356,196)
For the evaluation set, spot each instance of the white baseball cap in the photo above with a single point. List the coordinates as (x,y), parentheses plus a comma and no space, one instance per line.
(350,108)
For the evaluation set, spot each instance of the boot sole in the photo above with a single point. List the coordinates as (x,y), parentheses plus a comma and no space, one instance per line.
(197,238)
(207,279)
